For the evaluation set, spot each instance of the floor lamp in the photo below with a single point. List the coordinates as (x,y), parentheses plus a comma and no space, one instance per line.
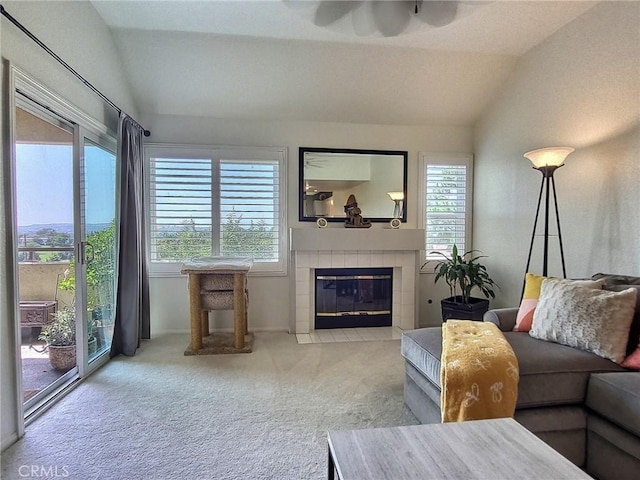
(547,161)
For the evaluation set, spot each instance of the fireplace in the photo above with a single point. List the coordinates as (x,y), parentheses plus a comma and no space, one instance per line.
(353,297)
(324,248)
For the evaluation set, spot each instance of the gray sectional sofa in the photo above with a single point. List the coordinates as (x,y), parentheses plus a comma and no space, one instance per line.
(613,426)
(583,405)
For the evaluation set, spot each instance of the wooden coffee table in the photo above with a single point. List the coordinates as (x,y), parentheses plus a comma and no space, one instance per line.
(483,449)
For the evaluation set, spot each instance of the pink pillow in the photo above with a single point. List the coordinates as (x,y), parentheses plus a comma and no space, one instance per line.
(633,361)
(529,301)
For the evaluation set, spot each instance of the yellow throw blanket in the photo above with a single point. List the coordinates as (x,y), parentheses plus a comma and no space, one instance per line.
(479,373)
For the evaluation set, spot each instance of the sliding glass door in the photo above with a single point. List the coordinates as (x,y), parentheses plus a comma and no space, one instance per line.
(98,245)
(64,202)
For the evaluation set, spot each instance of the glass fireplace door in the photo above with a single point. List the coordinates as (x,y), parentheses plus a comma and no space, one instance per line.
(354,297)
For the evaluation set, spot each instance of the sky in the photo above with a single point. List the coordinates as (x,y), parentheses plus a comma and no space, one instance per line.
(44,180)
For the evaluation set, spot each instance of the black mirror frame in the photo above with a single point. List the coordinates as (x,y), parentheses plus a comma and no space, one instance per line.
(303,150)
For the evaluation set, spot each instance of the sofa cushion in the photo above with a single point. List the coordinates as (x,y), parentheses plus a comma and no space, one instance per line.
(550,374)
(597,321)
(612,453)
(616,396)
(617,283)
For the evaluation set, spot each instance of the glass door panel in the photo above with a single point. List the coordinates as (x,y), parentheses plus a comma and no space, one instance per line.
(98,220)
(44,215)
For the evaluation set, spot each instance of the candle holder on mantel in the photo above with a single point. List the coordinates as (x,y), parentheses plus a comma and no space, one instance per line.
(354,217)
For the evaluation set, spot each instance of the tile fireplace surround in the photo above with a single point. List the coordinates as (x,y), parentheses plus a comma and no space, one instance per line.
(356,248)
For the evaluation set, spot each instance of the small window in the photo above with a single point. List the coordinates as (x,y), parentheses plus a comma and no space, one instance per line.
(446,196)
(215,201)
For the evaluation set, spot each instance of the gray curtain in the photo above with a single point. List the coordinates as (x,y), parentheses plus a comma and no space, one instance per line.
(132,298)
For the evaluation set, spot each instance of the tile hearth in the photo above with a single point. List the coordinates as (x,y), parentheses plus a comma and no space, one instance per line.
(369,334)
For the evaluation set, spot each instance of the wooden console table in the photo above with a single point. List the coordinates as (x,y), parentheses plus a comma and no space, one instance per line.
(217,283)
(481,449)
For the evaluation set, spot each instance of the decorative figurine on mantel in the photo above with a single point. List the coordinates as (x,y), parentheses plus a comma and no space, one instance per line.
(354,219)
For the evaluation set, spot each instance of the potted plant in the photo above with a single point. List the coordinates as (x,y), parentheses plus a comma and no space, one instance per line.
(102,322)
(99,288)
(60,336)
(463,273)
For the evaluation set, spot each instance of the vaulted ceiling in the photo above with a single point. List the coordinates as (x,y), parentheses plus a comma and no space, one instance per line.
(268,60)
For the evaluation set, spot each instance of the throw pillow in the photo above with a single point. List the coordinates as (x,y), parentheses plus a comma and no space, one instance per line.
(531,294)
(596,321)
(634,330)
(615,279)
(633,360)
(529,301)
(617,283)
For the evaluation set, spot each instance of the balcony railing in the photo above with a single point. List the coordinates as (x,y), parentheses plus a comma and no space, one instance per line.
(39,277)
(31,252)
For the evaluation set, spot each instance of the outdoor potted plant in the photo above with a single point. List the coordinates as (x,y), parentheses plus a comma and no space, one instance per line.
(102,322)
(60,336)
(99,288)
(463,273)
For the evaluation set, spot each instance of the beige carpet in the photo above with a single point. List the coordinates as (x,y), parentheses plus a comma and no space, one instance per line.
(264,415)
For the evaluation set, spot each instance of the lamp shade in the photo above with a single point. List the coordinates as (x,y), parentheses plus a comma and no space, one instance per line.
(548,157)
(395,196)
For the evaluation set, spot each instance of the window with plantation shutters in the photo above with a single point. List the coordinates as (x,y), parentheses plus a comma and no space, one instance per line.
(249,209)
(215,202)
(181,220)
(446,193)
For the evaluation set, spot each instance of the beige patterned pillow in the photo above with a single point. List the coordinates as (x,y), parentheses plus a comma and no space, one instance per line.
(596,321)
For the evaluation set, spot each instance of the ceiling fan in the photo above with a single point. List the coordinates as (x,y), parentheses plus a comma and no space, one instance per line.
(388,17)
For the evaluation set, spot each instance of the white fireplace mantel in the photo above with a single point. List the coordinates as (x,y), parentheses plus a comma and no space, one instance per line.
(353,239)
(356,248)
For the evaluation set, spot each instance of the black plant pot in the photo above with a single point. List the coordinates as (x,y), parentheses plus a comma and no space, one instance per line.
(453,307)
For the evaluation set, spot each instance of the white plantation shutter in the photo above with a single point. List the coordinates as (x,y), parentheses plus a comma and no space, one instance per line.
(215,201)
(447,203)
(249,209)
(180,208)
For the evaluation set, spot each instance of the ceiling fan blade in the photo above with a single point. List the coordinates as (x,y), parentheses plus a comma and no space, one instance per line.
(330,11)
(438,13)
(392,17)
(362,20)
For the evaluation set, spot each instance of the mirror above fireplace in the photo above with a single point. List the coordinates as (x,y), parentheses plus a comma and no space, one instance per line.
(377,178)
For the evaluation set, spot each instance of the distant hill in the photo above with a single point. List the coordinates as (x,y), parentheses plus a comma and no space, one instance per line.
(59,227)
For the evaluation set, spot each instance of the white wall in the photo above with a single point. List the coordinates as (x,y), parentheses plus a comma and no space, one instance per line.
(77,34)
(270,296)
(580,88)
